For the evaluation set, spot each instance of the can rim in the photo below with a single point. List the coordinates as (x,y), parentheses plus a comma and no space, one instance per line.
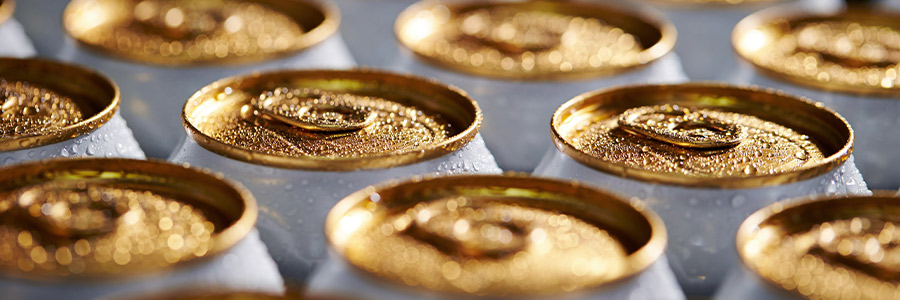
(328,28)
(638,261)
(752,222)
(223,241)
(55,71)
(829,163)
(643,13)
(790,12)
(7,7)
(343,164)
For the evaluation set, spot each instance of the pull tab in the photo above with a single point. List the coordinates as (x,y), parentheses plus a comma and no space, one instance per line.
(313,110)
(464,230)
(681,127)
(72,210)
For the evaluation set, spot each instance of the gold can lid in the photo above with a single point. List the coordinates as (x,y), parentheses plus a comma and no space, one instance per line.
(44,102)
(331,120)
(190,32)
(827,248)
(707,135)
(495,235)
(107,218)
(855,51)
(534,39)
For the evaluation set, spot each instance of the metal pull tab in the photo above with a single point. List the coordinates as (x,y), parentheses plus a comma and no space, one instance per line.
(681,126)
(72,210)
(467,231)
(313,110)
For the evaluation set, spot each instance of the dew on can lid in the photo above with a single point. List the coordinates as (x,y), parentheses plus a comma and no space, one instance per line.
(852,51)
(831,248)
(179,32)
(335,120)
(703,135)
(45,102)
(494,235)
(533,39)
(102,218)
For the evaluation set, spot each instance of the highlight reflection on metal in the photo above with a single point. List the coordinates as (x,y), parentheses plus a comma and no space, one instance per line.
(495,235)
(852,51)
(39,109)
(827,248)
(800,140)
(681,126)
(178,32)
(99,218)
(533,39)
(395,120)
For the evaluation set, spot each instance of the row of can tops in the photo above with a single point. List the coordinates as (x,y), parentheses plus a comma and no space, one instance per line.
(69,218)
(331,120)
(850,51)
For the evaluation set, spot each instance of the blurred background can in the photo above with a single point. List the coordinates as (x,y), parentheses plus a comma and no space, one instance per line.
(704,30)
(704,156)
(51,109)
(92,227)
(13,41)
(160,52)
(302,140)
(368,28)
(522,59)
(819,248)
(491,236)
(847,58)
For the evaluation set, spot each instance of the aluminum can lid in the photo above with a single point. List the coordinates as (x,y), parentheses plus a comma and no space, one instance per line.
(191,32)
(534,39)
(44,102)
(106,219)
(495,235)
(707,135)
(855,51)
(331,120)
(826,248)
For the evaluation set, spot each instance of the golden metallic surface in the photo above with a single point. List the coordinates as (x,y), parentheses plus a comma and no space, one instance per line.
(7,7)
(30,109)
(853,51)
(44,102)
(107,218)
(827,248)
(534,39)
(781,139)
(494,235)
(186,32)
(714,3)
(331,120)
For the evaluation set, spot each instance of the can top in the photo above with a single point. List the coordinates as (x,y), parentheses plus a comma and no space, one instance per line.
(190,32)
(534,39)
(44,102)
(331,120)
(703,134)
(495,235)
(102,219)
(826,248)
(7,7)
(855,51)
